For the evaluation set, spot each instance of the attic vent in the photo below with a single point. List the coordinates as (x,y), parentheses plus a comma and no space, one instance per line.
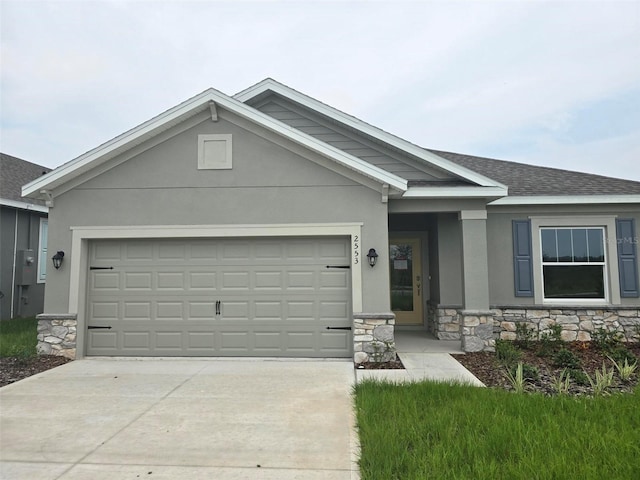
(214,152)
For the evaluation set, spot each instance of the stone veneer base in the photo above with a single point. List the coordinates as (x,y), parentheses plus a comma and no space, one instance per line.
(478,330)
(57,334)
(373,337)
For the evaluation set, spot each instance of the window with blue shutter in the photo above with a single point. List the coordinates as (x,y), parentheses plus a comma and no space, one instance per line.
(627,257)
(522,258)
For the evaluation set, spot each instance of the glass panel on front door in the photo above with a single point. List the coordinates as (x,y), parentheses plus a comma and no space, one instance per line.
(405,270)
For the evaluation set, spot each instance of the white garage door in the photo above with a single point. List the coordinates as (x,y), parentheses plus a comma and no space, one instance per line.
(213,297)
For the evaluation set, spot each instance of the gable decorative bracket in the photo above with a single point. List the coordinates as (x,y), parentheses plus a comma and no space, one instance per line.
(385,193)
(214,111)
(48,196)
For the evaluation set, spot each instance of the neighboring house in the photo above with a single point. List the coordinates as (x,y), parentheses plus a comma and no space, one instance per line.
(242,226)
(23,240)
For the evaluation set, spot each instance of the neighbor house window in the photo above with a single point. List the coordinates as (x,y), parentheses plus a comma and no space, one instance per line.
(42,250)
(573,263)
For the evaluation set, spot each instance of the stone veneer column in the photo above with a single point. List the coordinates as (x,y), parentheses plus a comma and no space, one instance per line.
(477,330)
(57,334)
(373,337)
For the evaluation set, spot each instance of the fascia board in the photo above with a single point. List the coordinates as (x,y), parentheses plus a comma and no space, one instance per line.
(353,122)
(568,200)
(455,192)
(191,106)
(5,202)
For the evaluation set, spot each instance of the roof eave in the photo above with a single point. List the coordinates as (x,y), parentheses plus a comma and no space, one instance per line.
(455,192)
(568,200)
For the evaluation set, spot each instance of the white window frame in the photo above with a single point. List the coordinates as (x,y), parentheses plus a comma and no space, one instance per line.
(611,277)
(42,252)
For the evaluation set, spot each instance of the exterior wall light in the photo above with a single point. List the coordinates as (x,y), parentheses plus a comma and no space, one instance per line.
(372,256)
(57,259)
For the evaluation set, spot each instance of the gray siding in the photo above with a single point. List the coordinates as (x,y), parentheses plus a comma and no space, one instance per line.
(349,141)
(28,225)
(268,184)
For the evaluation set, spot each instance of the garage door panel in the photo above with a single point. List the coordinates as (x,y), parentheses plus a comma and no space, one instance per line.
(138,281)
(276,297)
(136,340)
(170,281)
(169,310)
(333,279)
(136,310)
(202,281)
(169,340)
(105,310)
(105,281)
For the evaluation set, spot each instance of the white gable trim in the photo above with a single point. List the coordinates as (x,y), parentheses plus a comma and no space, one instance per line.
(567,200)
(187,109)
(280,89)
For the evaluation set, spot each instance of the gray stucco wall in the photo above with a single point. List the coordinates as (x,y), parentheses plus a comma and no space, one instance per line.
(500,243)
(28,225)
(269,184)
(450,259)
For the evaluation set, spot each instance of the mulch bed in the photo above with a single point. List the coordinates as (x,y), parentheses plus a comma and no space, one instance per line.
(393,365)
(13,369)
(490,371)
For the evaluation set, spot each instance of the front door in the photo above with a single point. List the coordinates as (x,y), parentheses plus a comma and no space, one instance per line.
(406,280)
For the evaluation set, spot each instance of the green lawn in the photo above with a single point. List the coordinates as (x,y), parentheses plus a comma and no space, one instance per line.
(437,431)
(18,337)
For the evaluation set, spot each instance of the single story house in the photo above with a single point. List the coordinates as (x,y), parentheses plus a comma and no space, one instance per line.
(23,240)
(270,224)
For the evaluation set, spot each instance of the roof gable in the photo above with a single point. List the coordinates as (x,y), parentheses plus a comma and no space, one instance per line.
(261,90)
(206,100)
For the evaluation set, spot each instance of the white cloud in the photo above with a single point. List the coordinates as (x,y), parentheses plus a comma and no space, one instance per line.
(461,76)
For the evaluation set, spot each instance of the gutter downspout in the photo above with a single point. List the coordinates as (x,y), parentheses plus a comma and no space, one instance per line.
(15,253)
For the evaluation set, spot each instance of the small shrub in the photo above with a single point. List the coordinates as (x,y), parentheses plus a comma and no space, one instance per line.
(621,354)
(530,372)
(606,340)
(507,353)
(625,370)
(579,376)
(525,335)
(517,379)
(550,340)
(566,359)
(561,384)
(602,382)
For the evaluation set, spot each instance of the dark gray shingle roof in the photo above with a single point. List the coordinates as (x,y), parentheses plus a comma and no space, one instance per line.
(14,173)
(526,180)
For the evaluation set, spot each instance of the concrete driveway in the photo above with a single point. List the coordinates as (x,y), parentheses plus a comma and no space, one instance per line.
(111,419)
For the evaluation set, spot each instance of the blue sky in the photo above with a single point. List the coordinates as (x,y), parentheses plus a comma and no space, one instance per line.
(541,82)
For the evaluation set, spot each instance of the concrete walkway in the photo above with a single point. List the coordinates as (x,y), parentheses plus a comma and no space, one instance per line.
(424,358)
(100,419)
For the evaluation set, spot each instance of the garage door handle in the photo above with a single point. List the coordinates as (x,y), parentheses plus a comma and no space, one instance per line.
(100,268)
(218,307)
(338,328)
(338,266)
(92,327)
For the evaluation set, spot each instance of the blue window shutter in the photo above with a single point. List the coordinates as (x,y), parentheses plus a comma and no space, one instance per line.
(627,257)
(522,258)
